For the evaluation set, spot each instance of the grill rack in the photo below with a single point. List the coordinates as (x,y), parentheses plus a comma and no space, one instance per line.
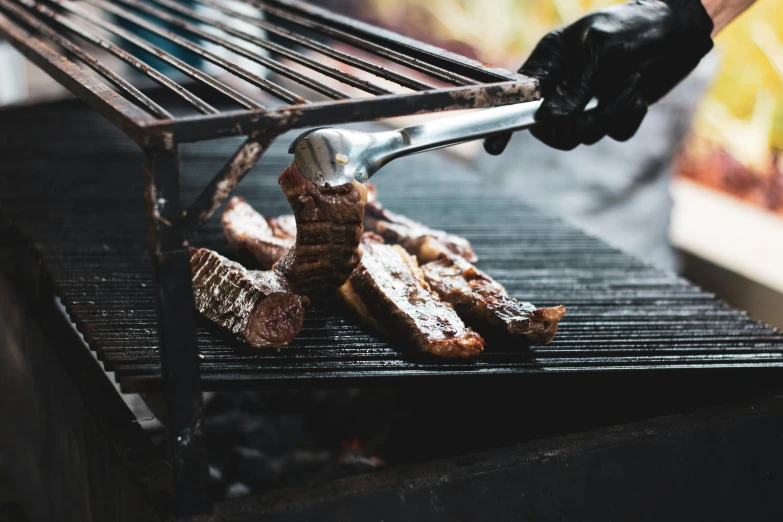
(368,74)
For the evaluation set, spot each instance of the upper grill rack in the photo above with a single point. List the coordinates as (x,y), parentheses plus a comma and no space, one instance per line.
(278,64)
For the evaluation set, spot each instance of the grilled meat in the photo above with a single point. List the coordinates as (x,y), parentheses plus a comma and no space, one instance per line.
(485,305)
(329,225)
(423,242)
(388,291)
(258,308)
(254,239)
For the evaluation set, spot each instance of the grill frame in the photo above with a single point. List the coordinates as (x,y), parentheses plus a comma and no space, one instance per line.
(38,30)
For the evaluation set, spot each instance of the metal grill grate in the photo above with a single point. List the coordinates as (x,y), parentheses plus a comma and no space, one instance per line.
(279,65)
(622,315)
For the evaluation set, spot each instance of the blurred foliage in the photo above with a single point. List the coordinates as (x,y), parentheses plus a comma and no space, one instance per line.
(743,111)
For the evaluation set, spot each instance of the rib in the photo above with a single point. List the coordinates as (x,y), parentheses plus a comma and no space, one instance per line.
(484,304)
(257,307)
(419,240)
(329,225)
(388,291)
(256,240)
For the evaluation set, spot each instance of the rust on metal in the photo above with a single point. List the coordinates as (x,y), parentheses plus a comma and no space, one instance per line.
(82,83)
(161,79)
(236,123)
(377,70)
(264,44)
(254,79)
(139,42)
(222,185)
(92,62)
(384,51)
(435,56)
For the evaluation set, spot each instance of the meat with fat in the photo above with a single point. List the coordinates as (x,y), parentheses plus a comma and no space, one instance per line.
(388,291)
(256,307)
(329,226)
(484,304)
(255,239)
(425,243)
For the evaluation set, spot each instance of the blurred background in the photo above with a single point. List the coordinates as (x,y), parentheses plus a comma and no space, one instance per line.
(699,190)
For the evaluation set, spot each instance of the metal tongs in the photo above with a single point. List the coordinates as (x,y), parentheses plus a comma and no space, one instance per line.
(338,156)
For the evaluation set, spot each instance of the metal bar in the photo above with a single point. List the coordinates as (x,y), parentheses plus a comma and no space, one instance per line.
(379,50)
(261,83)
(224,183)
(178,64)
(239,71)
(391,40)
(260,42)
(179,350)
(161,79)
(82,83)
(119,82)
(330,113)
(364,65)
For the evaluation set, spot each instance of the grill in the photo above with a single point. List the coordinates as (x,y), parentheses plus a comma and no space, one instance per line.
(91,218)
(347,71)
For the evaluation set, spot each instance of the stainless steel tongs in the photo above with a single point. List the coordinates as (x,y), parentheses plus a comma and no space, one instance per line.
(337,156)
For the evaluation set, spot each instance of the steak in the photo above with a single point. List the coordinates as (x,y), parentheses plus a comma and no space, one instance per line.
(388,291)
(485,305)
(258,308)
(425,243)
(329,225)
(254,239)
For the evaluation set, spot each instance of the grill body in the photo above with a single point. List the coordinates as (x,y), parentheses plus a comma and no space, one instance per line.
(78,199)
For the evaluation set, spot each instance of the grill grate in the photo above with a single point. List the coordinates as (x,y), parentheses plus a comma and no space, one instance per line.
(346,71)
(622,315)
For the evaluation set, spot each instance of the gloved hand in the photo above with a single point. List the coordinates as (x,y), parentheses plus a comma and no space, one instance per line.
(627,56)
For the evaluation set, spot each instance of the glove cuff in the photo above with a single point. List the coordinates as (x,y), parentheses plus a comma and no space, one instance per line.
(698,20)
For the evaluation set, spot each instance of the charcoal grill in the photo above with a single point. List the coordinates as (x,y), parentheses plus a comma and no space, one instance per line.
(623,315)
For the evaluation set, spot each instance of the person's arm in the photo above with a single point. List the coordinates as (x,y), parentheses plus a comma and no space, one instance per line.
(627,56)
(723,12)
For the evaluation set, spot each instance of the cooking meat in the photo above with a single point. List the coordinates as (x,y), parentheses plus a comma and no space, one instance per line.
(284,227)
(254,239)
(329,225)
(485,305)
(388,291)
(423,242)
(258,308)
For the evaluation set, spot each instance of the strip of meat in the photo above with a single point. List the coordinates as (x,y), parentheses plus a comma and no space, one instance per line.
(423,242)
(258,308)
(329,225)
(388,291)
(255,240)
(485,305)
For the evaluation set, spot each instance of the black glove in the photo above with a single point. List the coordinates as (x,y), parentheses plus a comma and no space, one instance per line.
(627,56)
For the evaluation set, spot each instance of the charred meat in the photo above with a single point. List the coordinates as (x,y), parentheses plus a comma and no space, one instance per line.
(258,308)
(254,239)
(423,242)
(485,305)
(329,225)
(388,291)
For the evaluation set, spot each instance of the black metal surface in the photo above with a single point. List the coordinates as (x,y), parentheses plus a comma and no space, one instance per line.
(622,315)
(326,55)
(178,355)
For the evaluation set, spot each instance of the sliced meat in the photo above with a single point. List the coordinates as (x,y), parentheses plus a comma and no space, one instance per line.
(388,291)
(284,227)
(485,305)
(329,225)
(423,242)
(258,308)
(372,192)
(254,239)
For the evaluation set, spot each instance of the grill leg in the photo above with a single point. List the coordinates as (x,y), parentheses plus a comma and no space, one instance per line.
(179,353)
